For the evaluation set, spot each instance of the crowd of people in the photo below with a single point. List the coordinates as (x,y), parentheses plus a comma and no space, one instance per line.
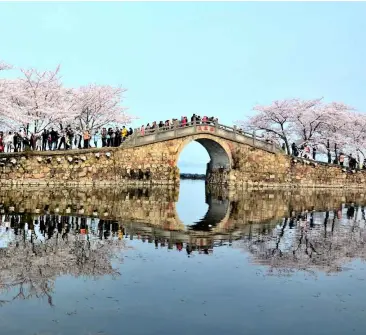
(305,151)
(65,139)
(183,122)
(69,138)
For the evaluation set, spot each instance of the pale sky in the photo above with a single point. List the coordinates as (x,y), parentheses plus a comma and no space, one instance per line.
(176,59)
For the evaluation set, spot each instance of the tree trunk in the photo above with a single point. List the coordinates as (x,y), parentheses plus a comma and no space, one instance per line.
(336,153)
(287,146)
(328,152)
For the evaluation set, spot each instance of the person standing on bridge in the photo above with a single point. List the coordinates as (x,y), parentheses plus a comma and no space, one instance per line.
(62,139)
(86,136)
(341,159)
(96,138)
(124,133)
(104,137)
(54,139)
(295,150)
(183,121)
(314,152)
(113,138)
(45,135)
(142,130)
(109,137)
(118,139)
(2,144)
(8,141)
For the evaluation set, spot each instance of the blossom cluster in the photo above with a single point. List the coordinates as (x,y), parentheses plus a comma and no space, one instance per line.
(38,100)
(331,127)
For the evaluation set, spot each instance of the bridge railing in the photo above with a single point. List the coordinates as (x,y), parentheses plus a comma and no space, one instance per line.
(191,128)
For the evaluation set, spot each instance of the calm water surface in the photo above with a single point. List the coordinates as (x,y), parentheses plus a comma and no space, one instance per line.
(204,261)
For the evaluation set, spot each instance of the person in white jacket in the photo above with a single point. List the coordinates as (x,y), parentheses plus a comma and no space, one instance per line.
(8,141)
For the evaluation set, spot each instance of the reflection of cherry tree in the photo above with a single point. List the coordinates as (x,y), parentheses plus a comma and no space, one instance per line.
(324,247)
(30,267)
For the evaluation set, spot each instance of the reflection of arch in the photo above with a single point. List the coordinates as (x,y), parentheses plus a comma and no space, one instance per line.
(217,214)
(218,150)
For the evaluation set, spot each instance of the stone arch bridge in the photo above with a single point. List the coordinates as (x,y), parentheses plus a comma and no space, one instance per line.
(236,159)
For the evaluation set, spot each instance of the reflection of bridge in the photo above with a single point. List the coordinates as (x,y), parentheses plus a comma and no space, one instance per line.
(150,214)
(156,207)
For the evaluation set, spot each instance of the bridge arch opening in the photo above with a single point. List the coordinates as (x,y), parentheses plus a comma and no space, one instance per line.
(199,209)
(209,155)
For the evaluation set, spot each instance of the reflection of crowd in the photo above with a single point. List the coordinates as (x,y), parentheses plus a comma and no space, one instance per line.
(46,226)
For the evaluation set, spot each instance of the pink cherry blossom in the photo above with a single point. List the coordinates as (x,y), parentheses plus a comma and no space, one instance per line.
(37,100)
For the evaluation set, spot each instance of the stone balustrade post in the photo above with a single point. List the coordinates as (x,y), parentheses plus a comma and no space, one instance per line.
(234,132)
(175,127)
(253,137)
(135,133)
(157,130)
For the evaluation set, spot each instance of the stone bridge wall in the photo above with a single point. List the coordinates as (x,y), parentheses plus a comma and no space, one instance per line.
(253,167)
(156,163)
(152,163)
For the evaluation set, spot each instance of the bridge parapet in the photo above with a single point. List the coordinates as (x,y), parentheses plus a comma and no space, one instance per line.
(219,130)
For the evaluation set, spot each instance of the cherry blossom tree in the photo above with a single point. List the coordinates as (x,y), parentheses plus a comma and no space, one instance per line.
(354,133)
(40,99)
(99,106)
(37,100)
(333,132)
(5,66)
(273,120)
(4,122)
(311,122)
(308,117)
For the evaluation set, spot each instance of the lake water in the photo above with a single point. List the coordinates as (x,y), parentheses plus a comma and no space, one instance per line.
(152,261)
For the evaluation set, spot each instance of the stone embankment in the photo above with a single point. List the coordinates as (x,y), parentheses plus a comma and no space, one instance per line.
(155,163)
(257,168)
(192,176)
(100,166)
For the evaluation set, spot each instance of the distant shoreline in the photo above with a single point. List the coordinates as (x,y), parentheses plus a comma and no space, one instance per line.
(193,176)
